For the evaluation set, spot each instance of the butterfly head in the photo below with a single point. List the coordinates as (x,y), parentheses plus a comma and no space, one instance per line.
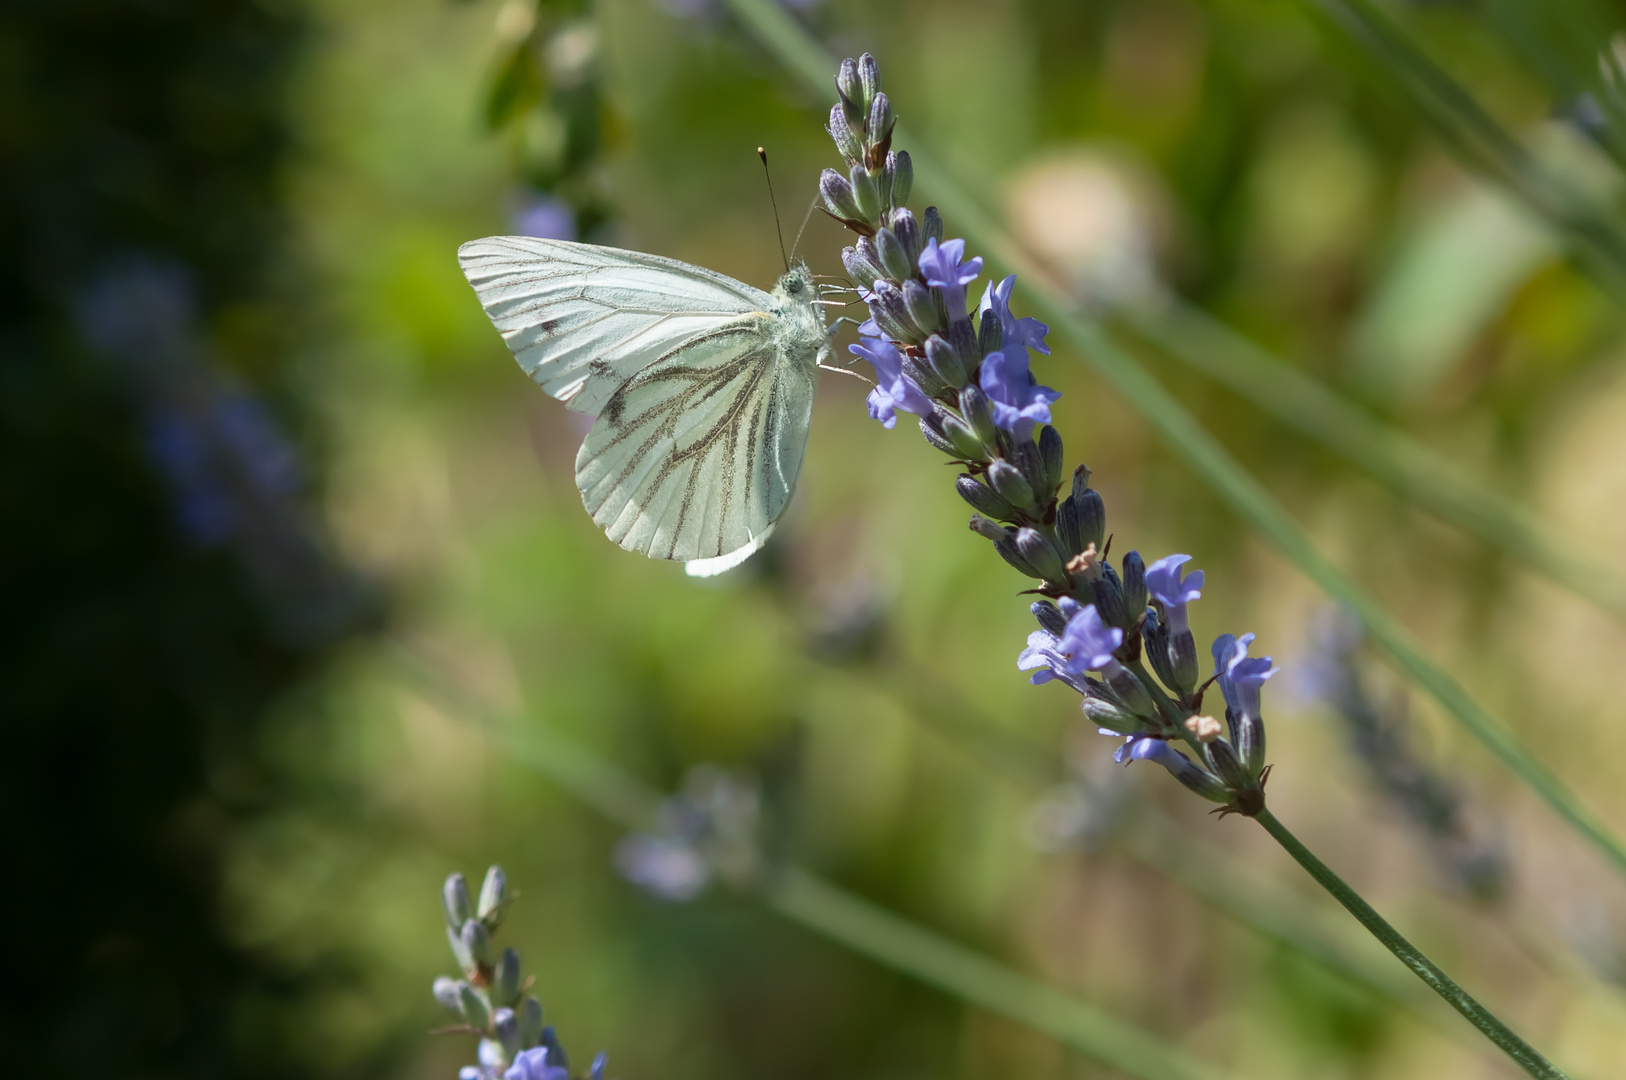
(796,284)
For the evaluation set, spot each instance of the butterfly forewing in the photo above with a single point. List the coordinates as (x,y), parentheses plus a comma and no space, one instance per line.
(583,319)
(695,457)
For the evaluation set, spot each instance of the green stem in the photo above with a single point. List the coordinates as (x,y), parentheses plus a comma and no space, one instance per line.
(1442,984)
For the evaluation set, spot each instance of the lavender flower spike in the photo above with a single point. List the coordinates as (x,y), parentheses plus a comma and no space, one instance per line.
(1163,580)
(942,268)
(894,391)
(1027,332)
(1018,403)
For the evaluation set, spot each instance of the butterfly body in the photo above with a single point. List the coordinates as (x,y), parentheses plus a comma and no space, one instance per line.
(702,386)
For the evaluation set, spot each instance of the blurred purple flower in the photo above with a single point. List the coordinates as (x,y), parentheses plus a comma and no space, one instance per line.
(1018,404)
(1088,642)
(943,269)
(894,391)
(663,866)
(533,1065)
(545,217)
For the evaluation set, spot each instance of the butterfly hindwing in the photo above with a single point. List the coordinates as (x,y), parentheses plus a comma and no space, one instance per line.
(583,319)
(695,457)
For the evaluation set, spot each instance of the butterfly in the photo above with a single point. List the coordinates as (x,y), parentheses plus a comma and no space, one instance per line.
(701,386)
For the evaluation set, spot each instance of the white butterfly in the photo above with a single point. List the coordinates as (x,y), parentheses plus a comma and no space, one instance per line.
(702,386)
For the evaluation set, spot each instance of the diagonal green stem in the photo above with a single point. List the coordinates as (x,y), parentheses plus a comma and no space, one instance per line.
(1202,453)
(833,913)
(1403,464)
(1442,984)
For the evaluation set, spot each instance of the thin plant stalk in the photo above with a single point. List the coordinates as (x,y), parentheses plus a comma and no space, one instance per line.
(1522,1053)
(1201,451)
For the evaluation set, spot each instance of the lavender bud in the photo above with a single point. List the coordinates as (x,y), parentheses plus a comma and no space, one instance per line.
(854,103)
(921,374)
(1008,551)
(903,176)
(1190,774)
(922,310)
(907,230)
(869,79)
(1025,456)
(1182,653)
(1222,758)
(1049,616)
(449,992)
(1092,517)
(945,361)
(1110,715)
(493,895)
(473,1006)
(879,131)
(989,530)
(867,194)
(931,429)
(989,334)
(862,262)
(1067,526)
(1134,584)
(1009,482)
(891,313)
(1050,454)
(894,256)
(1154,634)
(985,499)
(968,446)
(932,224)
(505,983)
(1109,598)
(838,196)
(964,340)
(530,1022)
(507,1026)
(1250,743)
(477,942)
(845,138)
(1041,554)
(456,896)
(974,406)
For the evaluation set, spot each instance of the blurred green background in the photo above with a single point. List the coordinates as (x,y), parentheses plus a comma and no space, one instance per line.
(230,799)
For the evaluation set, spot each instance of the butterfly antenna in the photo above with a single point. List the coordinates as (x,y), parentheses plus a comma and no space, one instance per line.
(763,154)
(807,217)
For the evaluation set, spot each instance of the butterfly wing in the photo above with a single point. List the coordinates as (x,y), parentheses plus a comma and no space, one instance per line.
(695,457)
(703,398)
(583,319)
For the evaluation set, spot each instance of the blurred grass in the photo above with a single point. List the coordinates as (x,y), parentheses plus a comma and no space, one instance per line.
(452,477)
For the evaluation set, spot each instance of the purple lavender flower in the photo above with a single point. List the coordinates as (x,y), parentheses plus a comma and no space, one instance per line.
(546,217)
(533,1065)
(1018,404)
(1240,676)
(1027,332)
(596,1071)
(1164,581)
(1088,642)
(894,391)
(941,264)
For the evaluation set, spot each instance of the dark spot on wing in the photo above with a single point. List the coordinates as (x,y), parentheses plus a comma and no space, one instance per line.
(546,326)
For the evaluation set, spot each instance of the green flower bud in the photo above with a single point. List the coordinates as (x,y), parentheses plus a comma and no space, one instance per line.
(1011,485)
(903,176)
(456,896)
(867,195)
(505,983)
(493,895)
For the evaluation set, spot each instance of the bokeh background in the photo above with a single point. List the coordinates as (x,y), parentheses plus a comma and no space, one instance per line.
(271,479)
